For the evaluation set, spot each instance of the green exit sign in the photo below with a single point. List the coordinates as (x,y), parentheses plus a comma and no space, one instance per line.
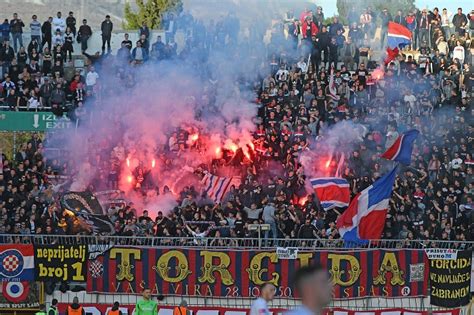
(33,121)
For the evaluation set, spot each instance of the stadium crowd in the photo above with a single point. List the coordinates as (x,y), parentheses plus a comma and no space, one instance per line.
(319,74)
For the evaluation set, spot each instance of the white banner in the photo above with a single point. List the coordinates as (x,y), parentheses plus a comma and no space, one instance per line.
(441,253)
(287,252)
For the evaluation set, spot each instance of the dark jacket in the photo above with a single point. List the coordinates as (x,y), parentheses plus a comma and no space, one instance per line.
(46,29)
(71,22)
(385,19)
(17,26)
(7,54)
(106,28)
(459,19)
(85,30)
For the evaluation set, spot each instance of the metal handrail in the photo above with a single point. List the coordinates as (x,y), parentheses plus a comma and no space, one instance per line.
(227,243)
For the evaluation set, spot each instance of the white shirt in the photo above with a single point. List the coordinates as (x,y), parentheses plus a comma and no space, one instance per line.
(303,66)
(458,53)
(259,307)
(33,103)
(91,78)
(303,310)
(59,23)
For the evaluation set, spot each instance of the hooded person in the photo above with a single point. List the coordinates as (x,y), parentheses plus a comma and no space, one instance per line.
(115,310)
(75,308)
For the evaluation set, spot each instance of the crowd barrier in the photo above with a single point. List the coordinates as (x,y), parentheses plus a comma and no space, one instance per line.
(230,272)
(228,243)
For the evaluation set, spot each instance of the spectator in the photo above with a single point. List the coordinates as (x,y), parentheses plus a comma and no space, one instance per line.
(35,29)
(139,54)
(269,218)
(16,28)
(68,44)
(459,20)
(144,30)
(386,17)
(7,54)
(59,23)
(106,28)
(348,54)
(84,33)
(91,78)
(127,42)
(46,30)
(71,23)
(399,18)
(4,31)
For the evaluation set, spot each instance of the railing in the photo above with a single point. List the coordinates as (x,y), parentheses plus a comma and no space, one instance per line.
(228,243)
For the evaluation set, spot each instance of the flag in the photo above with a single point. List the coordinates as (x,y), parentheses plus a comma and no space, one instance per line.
(364,219)
(16,263)
(332,87)
(340,166)
(332,192)
(86,207)
(217,187)
(398,35)
(391,55)
(402,148)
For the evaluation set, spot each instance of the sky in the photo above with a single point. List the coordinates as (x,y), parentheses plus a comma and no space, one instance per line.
(330,5)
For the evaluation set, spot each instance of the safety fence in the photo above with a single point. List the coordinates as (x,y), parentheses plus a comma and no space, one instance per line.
(229,243)
(381,274)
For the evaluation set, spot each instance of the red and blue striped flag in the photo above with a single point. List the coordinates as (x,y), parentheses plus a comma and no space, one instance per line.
(402,148)
(398,35)
(332,192)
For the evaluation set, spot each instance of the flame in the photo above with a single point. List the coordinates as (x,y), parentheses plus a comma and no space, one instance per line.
(328,163)
(377,74)
(252,146)
(128,162)
(303,200)
(194,137)
(218,151)
(153,163)
(233,147)
(129,179)
(247,155)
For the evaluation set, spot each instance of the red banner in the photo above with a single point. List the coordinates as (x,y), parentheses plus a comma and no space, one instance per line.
(241,273)
(101,309)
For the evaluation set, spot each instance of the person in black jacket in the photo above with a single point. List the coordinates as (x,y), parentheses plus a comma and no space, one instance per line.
(7,54)
(458,20)
(106,28)
(386,17)
(83,35)
(16,27)
(71,23)
(46,31)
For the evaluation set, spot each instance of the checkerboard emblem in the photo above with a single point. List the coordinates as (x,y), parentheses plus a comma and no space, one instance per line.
(96,268)
(12,263)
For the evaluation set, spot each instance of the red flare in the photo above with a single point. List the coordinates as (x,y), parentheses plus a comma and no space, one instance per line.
(303,200)
(129,179)
(153,163)
(128,162)
(328,163)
